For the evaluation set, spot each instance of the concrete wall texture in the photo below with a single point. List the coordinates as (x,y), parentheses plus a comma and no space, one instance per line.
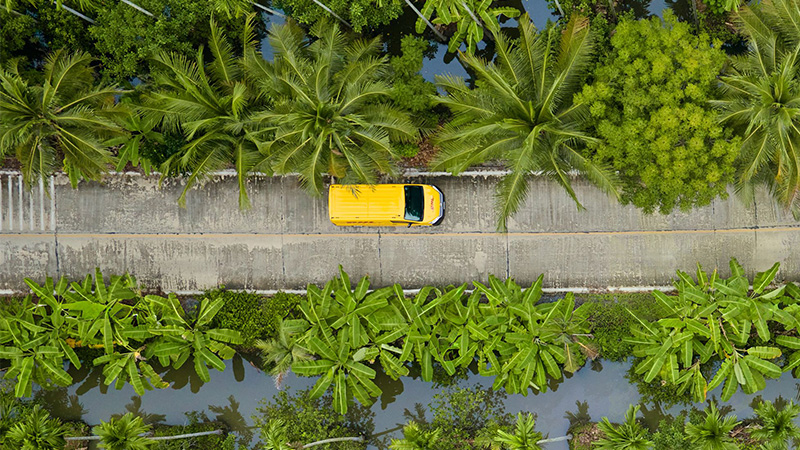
(127,223)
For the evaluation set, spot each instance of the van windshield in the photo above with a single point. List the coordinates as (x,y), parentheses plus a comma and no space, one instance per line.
(415,205)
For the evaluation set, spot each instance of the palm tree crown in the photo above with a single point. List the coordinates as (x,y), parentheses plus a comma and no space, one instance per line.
(67,115)
(762,100)
(521,112)
(629,435)
(123,433)
(212,104)
(714,433)
(38,431)
(777,425)
(329,114)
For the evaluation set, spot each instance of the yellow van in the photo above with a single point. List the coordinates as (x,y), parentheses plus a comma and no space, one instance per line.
(385,205)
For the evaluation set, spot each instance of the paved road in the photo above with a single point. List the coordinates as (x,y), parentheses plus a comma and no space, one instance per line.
(285,240)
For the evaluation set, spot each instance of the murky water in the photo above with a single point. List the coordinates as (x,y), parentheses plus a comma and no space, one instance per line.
(233,396)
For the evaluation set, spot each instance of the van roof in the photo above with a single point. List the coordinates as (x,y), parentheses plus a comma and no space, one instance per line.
(381,201)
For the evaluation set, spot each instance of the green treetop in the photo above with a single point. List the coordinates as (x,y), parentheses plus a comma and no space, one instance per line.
(649,105)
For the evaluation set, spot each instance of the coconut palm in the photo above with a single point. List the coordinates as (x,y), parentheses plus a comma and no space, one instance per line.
(331,108)
(274,435)
(777,425)
(761,99)
(521,113)
(714,433)
(123,433)
(525,437)
(629,435)
(415,438)
(281,353)
(36,431)
(62,122)
(212,104)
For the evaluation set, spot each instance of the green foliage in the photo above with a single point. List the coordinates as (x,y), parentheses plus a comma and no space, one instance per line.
(629,435)
(466,414)
(37,338)
(330,113)
(714,318)
(470,17)
(306,419)
(713,432)
(358,13)
(410,91)
(524,436)
(611,322)
(64,121)
(37,431)
(415,438)
(17,35)
(670,434)
(252,315)
(213,105)
(126,39)
(722,6)
(514,339)
(123,433)
(778,425)
(759,93)
(649,105)
(521,113)
(158,152)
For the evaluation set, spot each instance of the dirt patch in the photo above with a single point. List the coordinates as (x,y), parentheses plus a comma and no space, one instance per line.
(423,158)
(584,435)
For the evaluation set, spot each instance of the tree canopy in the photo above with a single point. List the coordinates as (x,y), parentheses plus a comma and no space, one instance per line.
(649,106)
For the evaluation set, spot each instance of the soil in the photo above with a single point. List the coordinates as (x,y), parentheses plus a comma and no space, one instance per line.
(583,436)
(423,158)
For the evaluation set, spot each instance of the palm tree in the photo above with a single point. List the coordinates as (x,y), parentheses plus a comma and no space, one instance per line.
(37,431)
(123,433)
(629,435)
(714,433)
(777,426)
(331,113)
(281,352)
(524,438)
(415,438)
(212,104)
(66,117)
(521,112)
(761,98)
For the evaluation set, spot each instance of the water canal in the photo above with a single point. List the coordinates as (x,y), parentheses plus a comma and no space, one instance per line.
(232,396)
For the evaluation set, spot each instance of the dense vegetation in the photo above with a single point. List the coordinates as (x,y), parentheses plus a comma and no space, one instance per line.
(652,111)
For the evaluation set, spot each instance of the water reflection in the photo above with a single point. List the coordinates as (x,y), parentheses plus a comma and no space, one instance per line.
(598,389)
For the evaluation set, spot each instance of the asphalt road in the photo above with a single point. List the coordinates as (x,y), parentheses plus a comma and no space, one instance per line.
(286,241)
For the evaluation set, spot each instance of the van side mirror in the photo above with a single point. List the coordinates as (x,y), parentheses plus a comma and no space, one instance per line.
(409,225)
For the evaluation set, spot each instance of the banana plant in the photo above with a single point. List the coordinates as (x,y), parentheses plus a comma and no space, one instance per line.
(470,17)
(129,367)
(789,341)
(418,317)
(712,318)
(35,348)
(457,335)
(182,337)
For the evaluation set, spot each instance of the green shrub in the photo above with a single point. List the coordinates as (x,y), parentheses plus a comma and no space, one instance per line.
(253,315)
(670,435)
(311,420)
(611,322)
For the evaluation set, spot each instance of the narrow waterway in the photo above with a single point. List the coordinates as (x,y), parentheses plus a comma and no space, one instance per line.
(600,388)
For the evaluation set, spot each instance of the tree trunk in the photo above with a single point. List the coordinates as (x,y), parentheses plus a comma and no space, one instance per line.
(332,13)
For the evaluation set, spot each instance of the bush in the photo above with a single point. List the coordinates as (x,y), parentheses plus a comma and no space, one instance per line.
(253,315)
(311,420)
(611,322)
